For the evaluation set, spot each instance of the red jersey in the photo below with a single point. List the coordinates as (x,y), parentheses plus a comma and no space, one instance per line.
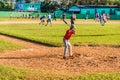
(69,34)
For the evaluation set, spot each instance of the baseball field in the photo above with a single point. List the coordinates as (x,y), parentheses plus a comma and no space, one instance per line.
(32,51)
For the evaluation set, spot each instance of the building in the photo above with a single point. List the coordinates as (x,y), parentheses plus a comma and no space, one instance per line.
(92,9)
(32,6)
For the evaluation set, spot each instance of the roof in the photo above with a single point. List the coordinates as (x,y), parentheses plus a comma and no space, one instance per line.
(74,8)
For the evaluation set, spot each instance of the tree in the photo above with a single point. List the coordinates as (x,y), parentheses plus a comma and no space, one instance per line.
(1,5)
(6,5)
(11,4)
(27,1)
(95,2)
(65,4)
(49,6)
(17,0)
(117,3)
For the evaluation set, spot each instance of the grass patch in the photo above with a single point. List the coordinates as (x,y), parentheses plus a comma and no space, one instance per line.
(13,73)
(91,34)
(100,76)
(7,45)
(46,75)
(50,75)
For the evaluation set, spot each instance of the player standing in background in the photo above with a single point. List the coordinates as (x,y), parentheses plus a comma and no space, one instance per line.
(42,19)
(102,19)
(63,17)
(97,17)
(54,16)
(49,19)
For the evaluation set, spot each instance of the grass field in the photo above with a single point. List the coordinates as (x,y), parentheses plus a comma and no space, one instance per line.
(7,45)
(13,73)
(90,34)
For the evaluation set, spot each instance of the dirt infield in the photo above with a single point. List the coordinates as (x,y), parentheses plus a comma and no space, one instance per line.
(87,59)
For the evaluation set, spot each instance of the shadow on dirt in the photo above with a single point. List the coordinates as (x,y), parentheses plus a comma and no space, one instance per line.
(40,56)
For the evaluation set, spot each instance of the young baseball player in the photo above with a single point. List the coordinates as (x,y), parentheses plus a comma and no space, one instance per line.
(42,19)
(102,19)
(54,16)
(67,45)
(63,17)
(49,19)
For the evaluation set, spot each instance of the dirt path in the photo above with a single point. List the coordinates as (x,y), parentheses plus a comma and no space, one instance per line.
(87,59)
(36,21)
